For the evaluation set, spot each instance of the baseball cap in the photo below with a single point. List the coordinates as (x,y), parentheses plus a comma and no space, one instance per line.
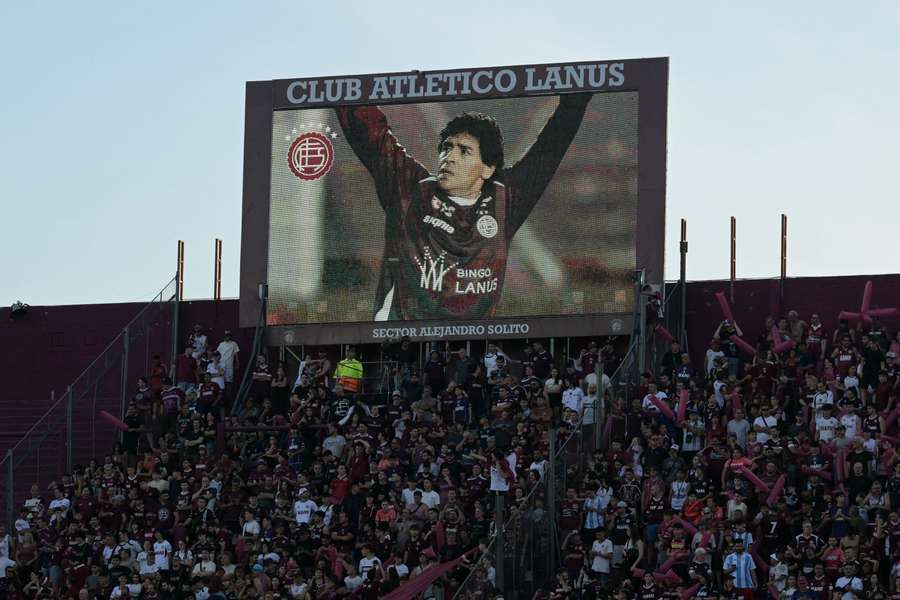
(258,568)
(622,504)
(674,447)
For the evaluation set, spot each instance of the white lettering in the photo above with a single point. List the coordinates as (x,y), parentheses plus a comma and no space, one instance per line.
(478,87)
(415,91)
(530,83)
(315,94)
(380,89)
(616,74)
(431,84)
(439,224)
(354,89)
(473,273)
(292,96)
(574,76)
(505,86)
(553,81)
(397,82)
(452,79)
(597,81)
(478,287)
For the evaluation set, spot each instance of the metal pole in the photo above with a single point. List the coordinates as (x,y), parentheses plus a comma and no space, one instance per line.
(682,281)
(642,339)
(733,258)
(499,541)
(551,499)
(175,310)
(126,336)
(70,431)
(179,284)
(783,254)
(599,407)
(10,491)
(217,277)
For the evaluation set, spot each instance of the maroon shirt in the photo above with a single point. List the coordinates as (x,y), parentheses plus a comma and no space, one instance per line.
(185,369)
(442,259)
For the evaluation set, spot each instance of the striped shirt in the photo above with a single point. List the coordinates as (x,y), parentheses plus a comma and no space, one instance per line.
(743,564)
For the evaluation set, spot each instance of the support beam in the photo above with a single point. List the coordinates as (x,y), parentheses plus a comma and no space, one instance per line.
(784,235)
(733,272)
(217,267)
(179,272)
(682,281)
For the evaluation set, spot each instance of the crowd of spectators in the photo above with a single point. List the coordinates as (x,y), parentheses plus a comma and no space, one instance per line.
(305,491)
(740,477)
(771,475)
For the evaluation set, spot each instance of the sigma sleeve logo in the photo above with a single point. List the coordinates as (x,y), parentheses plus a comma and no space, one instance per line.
(433,269)
(311,156)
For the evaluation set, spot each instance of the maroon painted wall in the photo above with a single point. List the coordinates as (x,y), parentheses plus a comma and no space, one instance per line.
(755,299)
(48,348)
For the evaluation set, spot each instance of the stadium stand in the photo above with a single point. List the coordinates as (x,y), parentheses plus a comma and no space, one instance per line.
(713,474)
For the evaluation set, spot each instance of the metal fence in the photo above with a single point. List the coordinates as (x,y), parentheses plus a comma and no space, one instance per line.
(526,553)
(69,432)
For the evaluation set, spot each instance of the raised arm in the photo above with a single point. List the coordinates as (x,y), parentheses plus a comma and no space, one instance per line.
(529,177)
(368,133)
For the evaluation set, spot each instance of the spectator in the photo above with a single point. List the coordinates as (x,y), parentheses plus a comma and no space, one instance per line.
(228,351)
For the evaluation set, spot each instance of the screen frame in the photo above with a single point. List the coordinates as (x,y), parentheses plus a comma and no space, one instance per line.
(648,77)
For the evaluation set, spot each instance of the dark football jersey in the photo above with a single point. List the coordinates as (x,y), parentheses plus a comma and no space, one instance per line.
(444,258)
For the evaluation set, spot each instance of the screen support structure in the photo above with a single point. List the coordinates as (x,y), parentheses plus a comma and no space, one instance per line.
(640,316)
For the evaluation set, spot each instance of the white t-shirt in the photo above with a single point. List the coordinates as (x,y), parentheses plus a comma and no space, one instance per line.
(573,399)
(648,404)
(431,499)
(251,528)
(367,564)
(855,584)
(825,428)
(408,495)
(204,567)
(303,511)
(226,351)
(600,564)
(162,551)
(216,375)
(679,494)
(711,356)
(146,563)
(490,361)
(821,399)
(765,422)
(718,386)
(5,562)
(849,422)
(498,481)
(199,344)
(696,441)
(62,503)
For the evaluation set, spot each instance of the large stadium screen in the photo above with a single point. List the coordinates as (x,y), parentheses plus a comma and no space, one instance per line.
(476,203)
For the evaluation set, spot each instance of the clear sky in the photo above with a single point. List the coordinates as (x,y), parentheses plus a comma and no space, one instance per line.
(121,123)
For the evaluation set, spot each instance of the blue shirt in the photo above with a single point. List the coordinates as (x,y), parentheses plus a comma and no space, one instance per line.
(743,564)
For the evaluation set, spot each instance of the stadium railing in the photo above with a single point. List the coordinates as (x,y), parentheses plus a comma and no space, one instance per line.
(527,551)
(69,431)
